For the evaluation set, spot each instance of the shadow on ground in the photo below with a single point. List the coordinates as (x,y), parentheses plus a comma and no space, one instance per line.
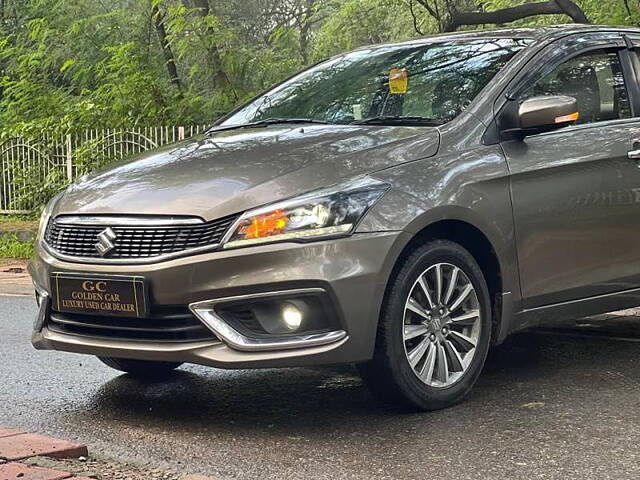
(527,367)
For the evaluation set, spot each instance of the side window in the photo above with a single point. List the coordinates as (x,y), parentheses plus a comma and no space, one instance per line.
(595,79)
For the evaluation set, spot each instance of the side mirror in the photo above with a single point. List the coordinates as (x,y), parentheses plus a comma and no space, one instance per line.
(544,114)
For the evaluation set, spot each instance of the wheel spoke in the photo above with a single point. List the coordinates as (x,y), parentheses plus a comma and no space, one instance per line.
(416,308)
(461,298)
(442,325)
(426,372)
(455,360)
(443,367)
(452,285)
(462,340)
(425,290)
(413,331)
(438,284)
(417,353)
(465,317)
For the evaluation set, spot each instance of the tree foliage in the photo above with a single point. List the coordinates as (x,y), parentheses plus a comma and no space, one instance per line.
(67,65)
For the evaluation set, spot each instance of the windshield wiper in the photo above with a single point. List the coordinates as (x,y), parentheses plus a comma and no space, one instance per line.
(398,120)
(266,122)
(275,121)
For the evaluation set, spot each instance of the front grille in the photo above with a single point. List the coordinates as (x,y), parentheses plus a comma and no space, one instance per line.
(131,241)
(178,325)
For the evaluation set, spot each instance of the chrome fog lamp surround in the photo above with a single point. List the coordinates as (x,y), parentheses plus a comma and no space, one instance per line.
(42,299)
(41,294)
(205,312)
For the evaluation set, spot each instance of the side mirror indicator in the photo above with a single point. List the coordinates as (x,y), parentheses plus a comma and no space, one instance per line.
(572,117)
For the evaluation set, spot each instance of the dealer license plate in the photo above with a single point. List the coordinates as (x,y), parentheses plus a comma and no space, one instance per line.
(99,295)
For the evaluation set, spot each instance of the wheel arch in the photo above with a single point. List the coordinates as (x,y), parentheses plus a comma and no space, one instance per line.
(473,238)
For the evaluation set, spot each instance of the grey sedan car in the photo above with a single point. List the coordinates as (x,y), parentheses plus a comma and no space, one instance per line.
(403,207)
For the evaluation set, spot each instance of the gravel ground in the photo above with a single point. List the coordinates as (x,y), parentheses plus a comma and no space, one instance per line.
(102,468)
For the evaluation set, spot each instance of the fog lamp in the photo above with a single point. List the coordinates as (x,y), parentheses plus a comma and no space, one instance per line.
(298,313)
(292,316)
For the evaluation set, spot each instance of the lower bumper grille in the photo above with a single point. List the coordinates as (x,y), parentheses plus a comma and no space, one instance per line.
(177,326)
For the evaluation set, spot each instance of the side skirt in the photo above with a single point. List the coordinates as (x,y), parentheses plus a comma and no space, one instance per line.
(575,309)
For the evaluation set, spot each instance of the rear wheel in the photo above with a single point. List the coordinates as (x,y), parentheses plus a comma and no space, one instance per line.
(434,330)
(140,368)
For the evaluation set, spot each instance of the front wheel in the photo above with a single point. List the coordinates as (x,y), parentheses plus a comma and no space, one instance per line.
(140,368)
(434,330)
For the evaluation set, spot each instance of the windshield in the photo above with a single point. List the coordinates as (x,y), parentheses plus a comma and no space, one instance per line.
(433,82)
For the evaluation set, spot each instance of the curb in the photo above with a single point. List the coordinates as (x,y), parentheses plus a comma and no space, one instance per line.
(19,471)
(19,445)
(20,452)
(17,290)
(14,279)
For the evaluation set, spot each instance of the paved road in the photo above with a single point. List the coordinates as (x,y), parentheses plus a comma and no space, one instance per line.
(547,406)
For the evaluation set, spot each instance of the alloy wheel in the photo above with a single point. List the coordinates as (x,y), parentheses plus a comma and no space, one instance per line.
(442,325)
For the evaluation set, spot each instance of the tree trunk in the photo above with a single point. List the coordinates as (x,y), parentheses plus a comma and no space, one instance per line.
(433,11)
(511,14)
(571,9)
(220,78)
(169,58)
(305,23)
(304,43)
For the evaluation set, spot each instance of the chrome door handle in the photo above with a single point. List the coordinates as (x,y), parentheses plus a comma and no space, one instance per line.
(634,154)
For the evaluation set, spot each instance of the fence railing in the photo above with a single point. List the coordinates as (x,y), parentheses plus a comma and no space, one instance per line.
(28,165)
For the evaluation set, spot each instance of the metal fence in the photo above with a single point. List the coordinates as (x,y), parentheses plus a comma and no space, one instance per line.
(29,164)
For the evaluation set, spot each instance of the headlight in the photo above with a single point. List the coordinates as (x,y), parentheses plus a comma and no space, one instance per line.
(330,212)
(46,214)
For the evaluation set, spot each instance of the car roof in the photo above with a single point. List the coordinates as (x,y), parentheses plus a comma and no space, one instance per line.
(538,34)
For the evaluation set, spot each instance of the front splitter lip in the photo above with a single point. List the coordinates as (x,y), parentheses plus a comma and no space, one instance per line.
(211,353)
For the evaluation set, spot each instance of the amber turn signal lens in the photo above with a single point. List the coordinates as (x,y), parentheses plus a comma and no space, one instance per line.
(568,118)
(265,225)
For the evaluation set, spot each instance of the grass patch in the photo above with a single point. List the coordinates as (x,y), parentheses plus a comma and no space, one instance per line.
(11,247)
(17,222)
(15,218)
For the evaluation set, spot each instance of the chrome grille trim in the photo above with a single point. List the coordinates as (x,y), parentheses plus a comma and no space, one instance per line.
(143,242)
(133,220)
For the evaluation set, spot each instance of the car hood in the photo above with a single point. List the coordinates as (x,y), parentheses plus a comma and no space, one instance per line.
(231,171)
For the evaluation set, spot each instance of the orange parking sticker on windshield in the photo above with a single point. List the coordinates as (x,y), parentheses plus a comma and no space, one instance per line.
(398,81)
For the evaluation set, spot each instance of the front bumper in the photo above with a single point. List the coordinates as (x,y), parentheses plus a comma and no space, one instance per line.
(352,271)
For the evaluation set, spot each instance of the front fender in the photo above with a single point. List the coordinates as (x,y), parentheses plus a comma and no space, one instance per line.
(470,186)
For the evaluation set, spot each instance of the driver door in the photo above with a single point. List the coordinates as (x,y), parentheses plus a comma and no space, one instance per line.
(575,191)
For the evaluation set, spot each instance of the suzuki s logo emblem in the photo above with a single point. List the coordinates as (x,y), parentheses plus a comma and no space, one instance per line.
(105,241)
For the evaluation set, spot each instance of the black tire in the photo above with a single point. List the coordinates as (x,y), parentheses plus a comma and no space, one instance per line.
(389,374)
(140,368)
